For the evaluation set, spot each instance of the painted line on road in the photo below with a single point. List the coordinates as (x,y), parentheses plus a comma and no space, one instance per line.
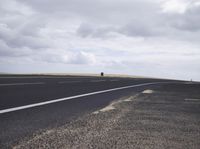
(97,80)
(114,80)
(76,96)
(64,82)
(192,99)
(14,84)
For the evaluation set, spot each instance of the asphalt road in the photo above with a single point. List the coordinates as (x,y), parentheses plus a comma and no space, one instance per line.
(16,91)
(164,116)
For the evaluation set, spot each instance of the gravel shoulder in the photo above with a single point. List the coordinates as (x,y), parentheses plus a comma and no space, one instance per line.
(165,116)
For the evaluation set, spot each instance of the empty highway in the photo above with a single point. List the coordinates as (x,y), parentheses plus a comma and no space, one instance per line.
(16,91)
(33,104)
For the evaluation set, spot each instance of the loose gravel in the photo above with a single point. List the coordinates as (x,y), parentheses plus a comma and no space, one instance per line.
(160,120)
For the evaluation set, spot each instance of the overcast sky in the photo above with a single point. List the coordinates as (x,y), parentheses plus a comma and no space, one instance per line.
(158,38)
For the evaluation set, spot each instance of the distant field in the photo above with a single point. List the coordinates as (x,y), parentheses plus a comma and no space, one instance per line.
(72,74)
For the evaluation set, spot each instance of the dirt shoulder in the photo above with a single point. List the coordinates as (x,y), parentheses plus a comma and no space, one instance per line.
(166,116)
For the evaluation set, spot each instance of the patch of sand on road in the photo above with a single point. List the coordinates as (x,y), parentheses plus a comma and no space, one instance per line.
(112,106)
(109,107)
(128,99)
(148,91)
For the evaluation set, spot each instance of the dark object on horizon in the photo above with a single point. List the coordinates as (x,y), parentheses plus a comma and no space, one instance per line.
(102,74)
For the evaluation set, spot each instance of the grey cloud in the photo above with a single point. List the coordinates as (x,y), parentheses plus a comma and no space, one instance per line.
(78,57)
(134,29)
(97,12)
(85,30)
(138,29)
(102,17)
(132,18)
(86,6)
(189,21)
(6,51)
(32,27)
(88,30)
(19,37)
(27,41)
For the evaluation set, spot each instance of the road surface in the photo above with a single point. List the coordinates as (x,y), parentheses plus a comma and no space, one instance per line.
(18,91)
(18,126)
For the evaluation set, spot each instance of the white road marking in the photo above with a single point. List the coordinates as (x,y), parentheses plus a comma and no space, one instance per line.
(97,80)
(192,99)
(63,82)
(73,97)
(113,80)
(14,84)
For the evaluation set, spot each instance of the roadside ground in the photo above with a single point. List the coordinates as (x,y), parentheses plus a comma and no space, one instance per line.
(165,116)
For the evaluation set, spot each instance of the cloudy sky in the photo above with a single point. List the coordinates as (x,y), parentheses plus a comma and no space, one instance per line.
(158,38)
